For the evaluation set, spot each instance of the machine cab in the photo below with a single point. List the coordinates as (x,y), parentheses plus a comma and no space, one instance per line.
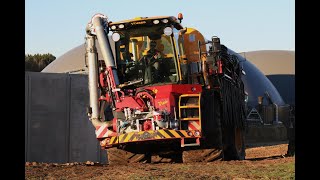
(147,50)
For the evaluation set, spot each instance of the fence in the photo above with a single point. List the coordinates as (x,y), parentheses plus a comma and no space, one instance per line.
(57,128)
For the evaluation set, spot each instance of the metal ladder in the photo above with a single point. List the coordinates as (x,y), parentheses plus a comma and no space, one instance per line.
(190,115)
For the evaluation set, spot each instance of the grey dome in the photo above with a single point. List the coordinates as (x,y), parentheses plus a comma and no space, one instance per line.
(73,60)
(257,84)
(279,67)
(271,62)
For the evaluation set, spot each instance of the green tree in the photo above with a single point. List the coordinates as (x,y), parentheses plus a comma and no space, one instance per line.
(37,62)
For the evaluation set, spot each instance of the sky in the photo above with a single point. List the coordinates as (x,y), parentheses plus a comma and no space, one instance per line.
(58,26)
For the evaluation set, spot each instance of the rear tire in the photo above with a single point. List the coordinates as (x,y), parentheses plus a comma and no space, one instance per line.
(122,157)
(234,147)
(219,135)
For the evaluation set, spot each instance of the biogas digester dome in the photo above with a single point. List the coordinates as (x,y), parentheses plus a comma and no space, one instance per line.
(73,60)
(257,84)
(279,67)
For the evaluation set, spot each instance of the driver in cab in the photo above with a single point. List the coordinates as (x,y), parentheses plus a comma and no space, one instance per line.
(152,63)
(153,54)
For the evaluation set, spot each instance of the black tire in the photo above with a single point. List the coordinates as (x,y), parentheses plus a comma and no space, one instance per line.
(232,139)
(121,157)
(233,144)
(202,155)
(173,157)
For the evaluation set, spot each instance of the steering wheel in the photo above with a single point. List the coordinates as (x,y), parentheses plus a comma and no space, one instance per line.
(130,64)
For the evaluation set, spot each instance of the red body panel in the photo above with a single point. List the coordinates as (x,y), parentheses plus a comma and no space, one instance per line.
(128,101)
(165,94)
(164,98)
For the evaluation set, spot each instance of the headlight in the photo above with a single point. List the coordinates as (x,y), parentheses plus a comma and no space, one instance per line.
(115,37)
(156,21)
(121,26)
(165,20)
(113,27)
(167,31)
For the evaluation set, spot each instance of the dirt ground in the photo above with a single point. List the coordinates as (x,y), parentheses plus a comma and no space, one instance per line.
(267,162)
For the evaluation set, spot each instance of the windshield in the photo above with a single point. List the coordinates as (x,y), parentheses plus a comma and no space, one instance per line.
(146,57)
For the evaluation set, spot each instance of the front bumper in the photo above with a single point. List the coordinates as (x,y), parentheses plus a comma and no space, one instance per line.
(163,134)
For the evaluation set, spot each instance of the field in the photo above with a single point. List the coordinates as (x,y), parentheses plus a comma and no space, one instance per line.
(266,162)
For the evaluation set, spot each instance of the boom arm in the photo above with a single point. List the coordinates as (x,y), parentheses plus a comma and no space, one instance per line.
(98,28)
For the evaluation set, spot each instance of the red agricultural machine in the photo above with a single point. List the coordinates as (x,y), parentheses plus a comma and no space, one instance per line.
(164,93)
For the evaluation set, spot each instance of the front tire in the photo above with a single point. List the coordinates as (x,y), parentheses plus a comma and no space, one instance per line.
(121,157)
(202,155)
(172,157)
